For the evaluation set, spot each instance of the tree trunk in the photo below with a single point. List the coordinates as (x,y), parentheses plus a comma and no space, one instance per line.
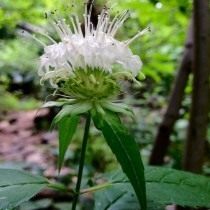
(162,140)
(197,131)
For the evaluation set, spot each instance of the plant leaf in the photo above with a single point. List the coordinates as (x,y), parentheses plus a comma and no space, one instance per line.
(165,186)
(126,150)
(120,197)
(118,108)
(170,186)
(17,187)
(76,109)
(66,129)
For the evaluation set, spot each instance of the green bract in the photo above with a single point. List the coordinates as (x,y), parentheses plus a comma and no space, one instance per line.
(89,90)
(91,85)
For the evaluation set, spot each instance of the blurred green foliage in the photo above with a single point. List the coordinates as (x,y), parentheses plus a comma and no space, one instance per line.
(16,57)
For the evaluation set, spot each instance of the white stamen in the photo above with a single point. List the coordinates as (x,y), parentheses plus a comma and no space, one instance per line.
(78,25)
(140,33)
(65,27)
(119,20)
(38,40)
(58,30)
(45,34)
(74,26)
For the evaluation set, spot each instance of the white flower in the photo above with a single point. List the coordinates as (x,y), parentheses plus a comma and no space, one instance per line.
(95,48)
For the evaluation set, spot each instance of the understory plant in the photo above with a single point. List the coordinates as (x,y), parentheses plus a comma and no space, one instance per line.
(86,68)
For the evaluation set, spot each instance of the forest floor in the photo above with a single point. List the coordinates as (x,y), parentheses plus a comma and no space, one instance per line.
(22,145)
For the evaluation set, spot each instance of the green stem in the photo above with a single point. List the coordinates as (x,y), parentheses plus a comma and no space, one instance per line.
(82,161)
(96,188)
(58,186)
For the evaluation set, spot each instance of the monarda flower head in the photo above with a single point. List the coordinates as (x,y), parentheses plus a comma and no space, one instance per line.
(83,63)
